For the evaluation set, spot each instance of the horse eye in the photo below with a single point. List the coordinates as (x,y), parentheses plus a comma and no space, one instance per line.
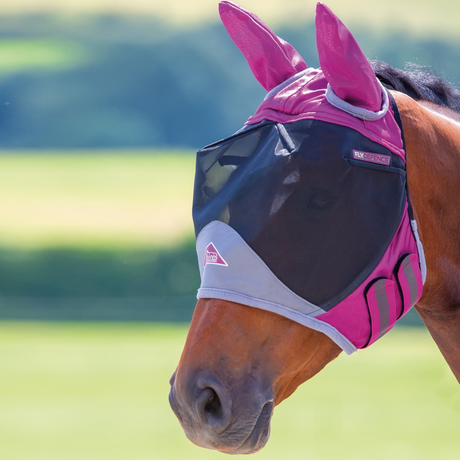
(320,202)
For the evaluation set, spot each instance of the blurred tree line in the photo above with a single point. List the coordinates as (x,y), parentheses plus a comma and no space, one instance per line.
(77,284)
(120,82)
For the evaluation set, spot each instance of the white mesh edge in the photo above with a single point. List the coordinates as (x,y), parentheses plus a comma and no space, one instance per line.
(421,252)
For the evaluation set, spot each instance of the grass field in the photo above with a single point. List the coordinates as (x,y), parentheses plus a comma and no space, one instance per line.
(99,391)
(125,199)
(422,17)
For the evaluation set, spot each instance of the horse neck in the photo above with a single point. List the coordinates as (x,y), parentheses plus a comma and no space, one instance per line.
(432,136)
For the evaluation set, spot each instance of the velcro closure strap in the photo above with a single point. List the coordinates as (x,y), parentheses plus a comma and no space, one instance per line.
(381,302)
(410,282)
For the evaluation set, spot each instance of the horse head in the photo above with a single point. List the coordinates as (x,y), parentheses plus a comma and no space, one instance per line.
(304,238)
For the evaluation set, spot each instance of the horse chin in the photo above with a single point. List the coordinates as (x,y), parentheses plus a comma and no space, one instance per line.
(259,434)
(226,441)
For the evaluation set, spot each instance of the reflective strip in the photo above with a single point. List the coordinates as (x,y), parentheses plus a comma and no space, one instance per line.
(381,303)
(410,281)
(383,306)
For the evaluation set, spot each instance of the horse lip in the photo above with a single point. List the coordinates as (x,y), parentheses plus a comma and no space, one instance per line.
(173,378)
(173,404)
(254,441)
(259,434)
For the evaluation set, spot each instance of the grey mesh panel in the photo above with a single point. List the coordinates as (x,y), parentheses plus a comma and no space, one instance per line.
(248,281)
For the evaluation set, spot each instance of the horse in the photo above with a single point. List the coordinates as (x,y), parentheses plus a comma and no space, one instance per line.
(240,358)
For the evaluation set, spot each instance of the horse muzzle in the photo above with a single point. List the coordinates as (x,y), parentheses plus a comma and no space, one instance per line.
(214,418)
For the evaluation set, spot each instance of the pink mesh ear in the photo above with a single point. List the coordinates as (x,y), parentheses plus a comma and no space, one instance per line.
(343,63)
(272,60)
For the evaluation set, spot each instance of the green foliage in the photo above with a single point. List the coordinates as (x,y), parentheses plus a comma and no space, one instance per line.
(99,273)
(99,391)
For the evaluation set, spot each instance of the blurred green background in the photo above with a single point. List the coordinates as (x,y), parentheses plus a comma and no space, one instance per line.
(102,106)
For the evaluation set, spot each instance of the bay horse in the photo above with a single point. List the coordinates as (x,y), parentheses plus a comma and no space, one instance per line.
(241,359)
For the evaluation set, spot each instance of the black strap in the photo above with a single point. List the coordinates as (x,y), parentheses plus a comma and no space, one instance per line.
(398,120)
(397,116)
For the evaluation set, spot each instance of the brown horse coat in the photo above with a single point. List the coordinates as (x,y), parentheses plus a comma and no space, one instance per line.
(432,136)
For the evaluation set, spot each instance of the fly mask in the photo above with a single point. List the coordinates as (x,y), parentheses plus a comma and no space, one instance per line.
(304,212)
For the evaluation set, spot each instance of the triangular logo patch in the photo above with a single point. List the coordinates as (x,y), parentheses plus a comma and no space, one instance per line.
(212,256)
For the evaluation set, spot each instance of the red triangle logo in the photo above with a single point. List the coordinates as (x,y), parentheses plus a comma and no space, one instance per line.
(212,256)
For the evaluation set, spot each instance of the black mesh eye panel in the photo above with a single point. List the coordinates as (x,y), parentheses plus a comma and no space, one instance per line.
(229,170)
(319,219)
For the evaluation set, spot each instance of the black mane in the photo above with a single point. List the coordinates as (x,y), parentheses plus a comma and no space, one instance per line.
(420,85)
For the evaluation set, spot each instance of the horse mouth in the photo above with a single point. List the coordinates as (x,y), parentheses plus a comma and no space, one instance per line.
(259,434)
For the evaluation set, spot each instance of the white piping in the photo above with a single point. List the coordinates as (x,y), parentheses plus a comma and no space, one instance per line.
(358,112)
(421,252)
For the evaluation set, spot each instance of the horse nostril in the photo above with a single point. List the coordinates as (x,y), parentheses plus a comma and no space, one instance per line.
(212,408)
